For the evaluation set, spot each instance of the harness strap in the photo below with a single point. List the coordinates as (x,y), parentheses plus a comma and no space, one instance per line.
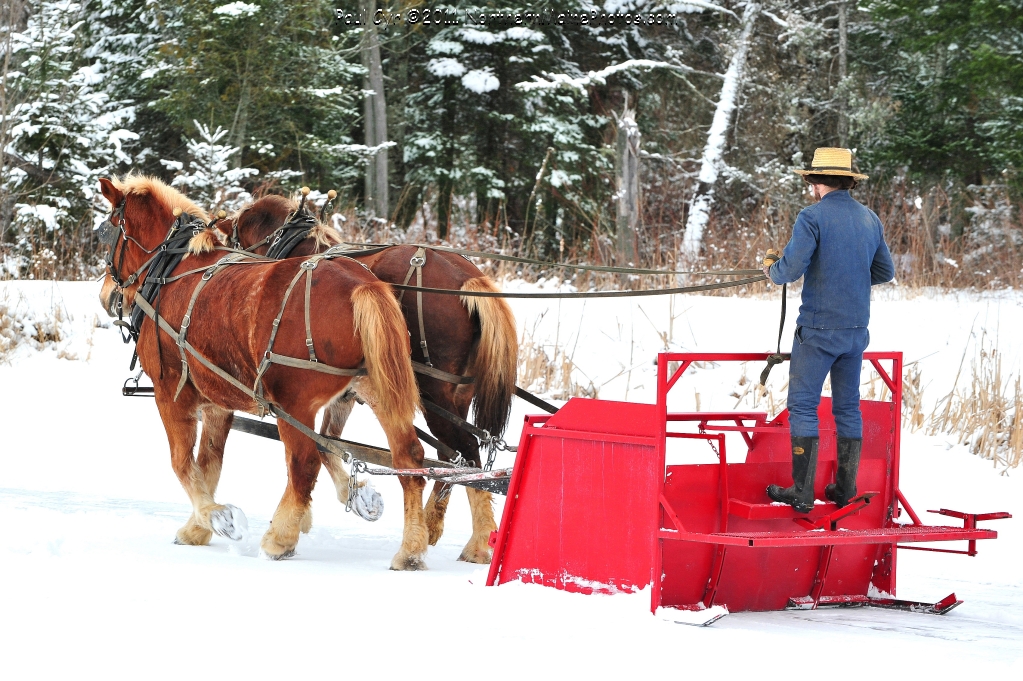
(245,259)
(169,330)
(408,276)
(456,420)
(416,265)
(419,260)
(265,364)
(186,321)
(440,374)
(297,363)
(342,448)
(330,445)
(308,294)
(535,401)
(437,444)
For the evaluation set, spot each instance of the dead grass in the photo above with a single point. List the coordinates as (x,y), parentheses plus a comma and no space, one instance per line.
(912,398)
(18,326)
(10,330)
(548,370)
(985,413)
(941,238)
(751,395)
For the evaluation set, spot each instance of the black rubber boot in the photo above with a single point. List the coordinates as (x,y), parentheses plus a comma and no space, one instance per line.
(804,469)
(844,487)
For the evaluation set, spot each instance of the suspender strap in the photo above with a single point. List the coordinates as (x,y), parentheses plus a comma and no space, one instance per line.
(309,266)
(419,260)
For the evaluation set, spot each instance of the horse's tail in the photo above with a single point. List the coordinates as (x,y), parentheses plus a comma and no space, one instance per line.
(385,345)
(495,361)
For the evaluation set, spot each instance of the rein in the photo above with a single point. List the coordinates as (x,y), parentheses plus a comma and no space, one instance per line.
(585,268)
(590,294)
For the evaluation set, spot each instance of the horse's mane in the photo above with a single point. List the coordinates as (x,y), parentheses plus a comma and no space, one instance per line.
(143,185)
(325,235)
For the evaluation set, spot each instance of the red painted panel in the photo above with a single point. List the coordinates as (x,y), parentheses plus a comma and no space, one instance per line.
(582,517)
(605,416)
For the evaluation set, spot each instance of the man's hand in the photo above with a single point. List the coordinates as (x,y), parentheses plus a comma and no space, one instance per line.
(772,257)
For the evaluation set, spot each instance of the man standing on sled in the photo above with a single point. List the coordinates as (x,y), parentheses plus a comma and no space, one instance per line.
(838,246)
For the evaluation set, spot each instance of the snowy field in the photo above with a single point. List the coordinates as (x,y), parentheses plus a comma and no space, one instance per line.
(93,586)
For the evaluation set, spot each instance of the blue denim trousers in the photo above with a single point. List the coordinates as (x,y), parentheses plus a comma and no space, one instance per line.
(815,353)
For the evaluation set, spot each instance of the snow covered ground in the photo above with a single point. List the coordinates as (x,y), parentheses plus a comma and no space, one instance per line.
(92,585)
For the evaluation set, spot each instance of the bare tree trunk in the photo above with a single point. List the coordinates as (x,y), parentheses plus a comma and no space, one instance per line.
(368,119)
(710,164)
(241,119)
(628,186)
(843,51)
(375,114)
(12,16)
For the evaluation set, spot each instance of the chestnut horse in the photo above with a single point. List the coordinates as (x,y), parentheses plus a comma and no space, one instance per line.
(350,315)
(466,336)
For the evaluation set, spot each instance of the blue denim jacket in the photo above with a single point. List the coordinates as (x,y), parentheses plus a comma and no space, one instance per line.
(838,243)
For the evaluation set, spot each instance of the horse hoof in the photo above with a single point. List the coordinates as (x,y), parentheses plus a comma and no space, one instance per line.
(478,556)
(408,563)
(192,535)
(229,521)
(368,504)
(269,556)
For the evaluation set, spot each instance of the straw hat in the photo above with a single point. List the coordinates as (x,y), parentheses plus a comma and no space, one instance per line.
(832,161)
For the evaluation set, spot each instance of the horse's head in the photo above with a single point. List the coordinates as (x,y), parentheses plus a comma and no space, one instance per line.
(259,220)
(143,212)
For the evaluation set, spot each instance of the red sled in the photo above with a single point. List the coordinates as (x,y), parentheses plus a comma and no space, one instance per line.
(593,508)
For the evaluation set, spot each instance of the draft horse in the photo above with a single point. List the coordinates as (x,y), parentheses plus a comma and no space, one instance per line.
(460,335)
(347,316)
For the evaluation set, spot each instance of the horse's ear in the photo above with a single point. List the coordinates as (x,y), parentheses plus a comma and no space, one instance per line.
(110,192)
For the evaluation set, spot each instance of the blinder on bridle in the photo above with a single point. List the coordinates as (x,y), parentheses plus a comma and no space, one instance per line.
(109,234)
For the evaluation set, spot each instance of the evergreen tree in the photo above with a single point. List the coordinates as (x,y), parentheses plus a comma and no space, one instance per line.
(273,75)
(956,86)
(63,131)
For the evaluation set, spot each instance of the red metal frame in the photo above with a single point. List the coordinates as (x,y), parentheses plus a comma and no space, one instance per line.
(593,507)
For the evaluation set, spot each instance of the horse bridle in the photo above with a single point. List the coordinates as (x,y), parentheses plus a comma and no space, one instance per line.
(114,236)
(283,239)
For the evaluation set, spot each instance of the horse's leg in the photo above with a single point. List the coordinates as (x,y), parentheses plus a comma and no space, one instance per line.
(207,516)
(407,452)
(216,424)
(477,549)
(293,514)
(368,504)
